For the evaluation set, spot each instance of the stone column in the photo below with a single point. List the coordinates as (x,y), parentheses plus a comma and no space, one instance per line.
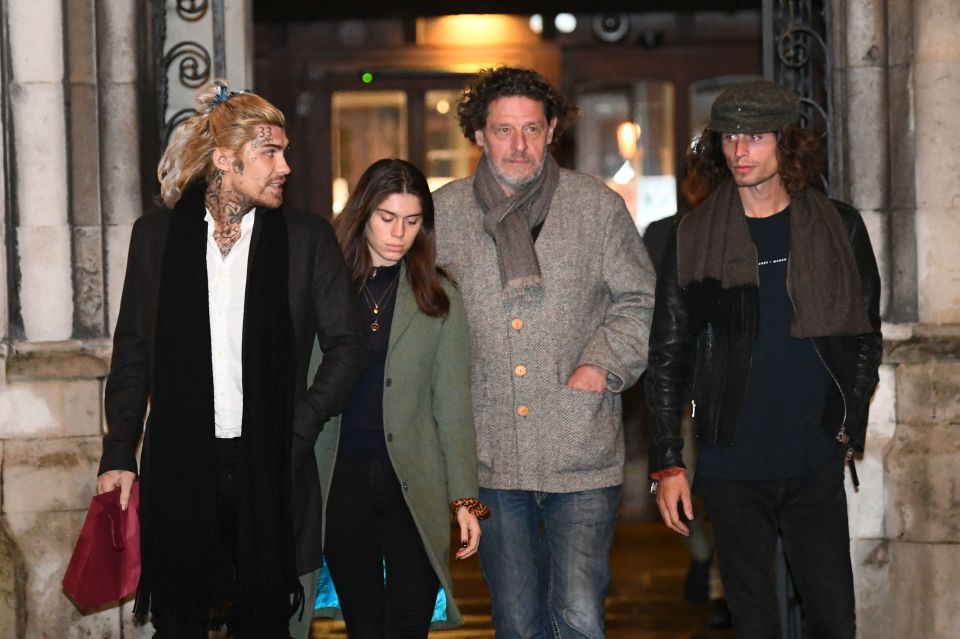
(921,560)
(35,30)
(937,116)
(4,319)
(859,57)
(906,539)
(902,283)
(75,158)
(120,186)
(861,60)
(84,136)
(238,43)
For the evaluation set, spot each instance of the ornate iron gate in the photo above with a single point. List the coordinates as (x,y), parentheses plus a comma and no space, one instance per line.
(191,58)
(795,37)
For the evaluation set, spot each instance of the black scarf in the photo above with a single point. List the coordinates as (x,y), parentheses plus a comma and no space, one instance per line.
(509,220)
(184,563)
(713,243)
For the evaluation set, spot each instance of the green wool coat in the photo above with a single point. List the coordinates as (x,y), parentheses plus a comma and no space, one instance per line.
(428,425)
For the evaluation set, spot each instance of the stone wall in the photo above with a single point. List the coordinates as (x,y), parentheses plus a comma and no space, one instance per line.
(71,162)
(896,86)
(51,416)
(71,98)
(904,521)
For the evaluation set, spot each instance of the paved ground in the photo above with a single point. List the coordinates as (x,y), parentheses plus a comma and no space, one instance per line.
(645,602)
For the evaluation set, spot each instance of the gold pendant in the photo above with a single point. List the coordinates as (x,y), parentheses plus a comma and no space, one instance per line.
(375,326)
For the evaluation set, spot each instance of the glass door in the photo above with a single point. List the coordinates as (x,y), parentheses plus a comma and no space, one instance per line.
(360,118)
(625,136)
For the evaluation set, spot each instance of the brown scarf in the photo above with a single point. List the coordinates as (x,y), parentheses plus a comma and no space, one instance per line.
(713,242)
(509,220)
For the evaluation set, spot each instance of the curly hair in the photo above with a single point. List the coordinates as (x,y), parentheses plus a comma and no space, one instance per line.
(223,119)
(800,161)
(490,84)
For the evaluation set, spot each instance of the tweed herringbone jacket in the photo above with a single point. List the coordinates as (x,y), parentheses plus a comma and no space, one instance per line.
(533,432)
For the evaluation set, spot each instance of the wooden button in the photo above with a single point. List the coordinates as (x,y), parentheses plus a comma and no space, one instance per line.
(517,324)
(520,370)
(523,411)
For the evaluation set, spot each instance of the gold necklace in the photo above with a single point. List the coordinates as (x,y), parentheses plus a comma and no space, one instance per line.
(375,304)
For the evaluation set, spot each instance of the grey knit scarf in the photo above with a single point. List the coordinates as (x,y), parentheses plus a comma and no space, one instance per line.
(713,242)
(509,220)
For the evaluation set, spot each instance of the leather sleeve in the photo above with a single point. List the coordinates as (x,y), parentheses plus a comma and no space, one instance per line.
(869,346)
(668,368)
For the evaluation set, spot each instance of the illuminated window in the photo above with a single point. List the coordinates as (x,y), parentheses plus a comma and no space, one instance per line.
(625,136)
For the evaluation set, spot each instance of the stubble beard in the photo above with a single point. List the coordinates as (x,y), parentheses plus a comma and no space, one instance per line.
(514,183)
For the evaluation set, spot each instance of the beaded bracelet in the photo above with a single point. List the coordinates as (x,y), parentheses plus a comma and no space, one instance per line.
(474,506)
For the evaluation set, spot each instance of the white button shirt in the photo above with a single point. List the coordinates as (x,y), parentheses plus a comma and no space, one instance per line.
(226,290)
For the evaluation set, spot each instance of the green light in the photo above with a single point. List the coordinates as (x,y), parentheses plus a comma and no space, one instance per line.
(367,77)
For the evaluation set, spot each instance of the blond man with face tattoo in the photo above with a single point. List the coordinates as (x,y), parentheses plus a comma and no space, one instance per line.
(225,293)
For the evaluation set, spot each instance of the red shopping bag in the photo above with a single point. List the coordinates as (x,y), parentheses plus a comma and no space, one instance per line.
(105,566)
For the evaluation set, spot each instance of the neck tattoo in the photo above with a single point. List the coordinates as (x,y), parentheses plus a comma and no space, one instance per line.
(227,208)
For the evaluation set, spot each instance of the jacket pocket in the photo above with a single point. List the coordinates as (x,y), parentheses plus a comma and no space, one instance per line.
(584,435)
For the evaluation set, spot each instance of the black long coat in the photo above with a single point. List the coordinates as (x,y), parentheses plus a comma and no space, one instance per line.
(322,307)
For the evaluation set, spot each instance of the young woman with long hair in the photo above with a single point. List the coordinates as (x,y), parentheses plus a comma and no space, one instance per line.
(402,456)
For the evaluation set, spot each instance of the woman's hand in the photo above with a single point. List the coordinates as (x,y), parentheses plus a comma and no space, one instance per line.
(113,479)
(469,533)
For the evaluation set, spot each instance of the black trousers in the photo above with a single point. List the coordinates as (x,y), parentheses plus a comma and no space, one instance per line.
(369,524)
(810,512)
(195,623)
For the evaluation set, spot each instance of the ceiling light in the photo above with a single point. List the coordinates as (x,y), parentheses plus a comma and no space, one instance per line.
(536,23)
(565,22)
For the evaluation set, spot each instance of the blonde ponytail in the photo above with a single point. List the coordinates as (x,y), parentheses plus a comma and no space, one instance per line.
(223,119)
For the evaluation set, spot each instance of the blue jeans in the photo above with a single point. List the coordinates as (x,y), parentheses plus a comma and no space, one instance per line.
(546,559)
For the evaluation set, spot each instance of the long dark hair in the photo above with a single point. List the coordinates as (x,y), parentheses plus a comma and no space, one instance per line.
(800,160)
(382,179)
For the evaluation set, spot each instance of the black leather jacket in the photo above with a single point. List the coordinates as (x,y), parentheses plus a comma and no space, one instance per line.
(691,357)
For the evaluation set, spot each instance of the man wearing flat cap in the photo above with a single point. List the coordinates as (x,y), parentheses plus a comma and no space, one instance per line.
(767,317)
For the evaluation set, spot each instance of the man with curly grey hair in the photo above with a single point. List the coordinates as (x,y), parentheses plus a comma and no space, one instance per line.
(559,293)
(224,296)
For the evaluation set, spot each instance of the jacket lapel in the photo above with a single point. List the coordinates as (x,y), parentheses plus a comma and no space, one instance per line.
(405,309)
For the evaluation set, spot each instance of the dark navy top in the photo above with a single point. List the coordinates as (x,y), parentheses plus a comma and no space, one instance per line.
(361,425)
(780,433)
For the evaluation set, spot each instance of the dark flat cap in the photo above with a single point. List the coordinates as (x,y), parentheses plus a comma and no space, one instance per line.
(755,106)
